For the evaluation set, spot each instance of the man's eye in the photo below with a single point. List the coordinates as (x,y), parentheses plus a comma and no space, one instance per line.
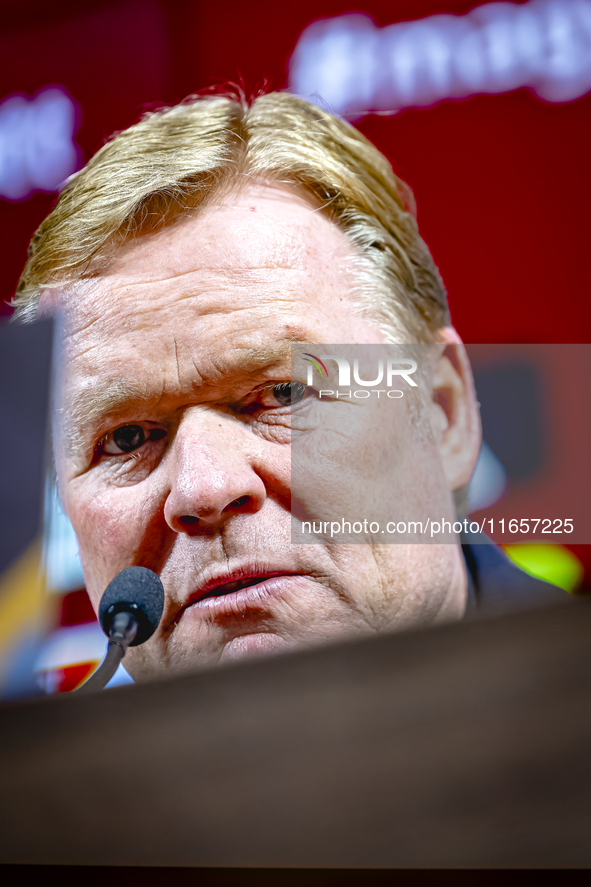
(129,438)
(125,439)
(289,393)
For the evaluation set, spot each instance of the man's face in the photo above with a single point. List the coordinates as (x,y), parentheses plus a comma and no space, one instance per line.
(174,451)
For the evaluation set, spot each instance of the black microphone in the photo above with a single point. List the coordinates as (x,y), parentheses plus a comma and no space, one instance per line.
(129,613)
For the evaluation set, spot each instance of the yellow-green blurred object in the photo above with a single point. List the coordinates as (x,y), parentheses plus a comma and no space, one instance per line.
(23,606)
(552,563)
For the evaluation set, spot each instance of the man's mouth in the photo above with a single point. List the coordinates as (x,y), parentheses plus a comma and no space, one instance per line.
(231,591)
(235,585)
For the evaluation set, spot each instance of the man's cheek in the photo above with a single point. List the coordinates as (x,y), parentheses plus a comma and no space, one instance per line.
(107,529)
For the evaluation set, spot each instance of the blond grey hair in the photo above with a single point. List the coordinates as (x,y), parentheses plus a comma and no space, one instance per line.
(176,159)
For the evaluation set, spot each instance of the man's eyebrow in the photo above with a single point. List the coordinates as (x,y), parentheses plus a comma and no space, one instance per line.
(254,359)
(94,402)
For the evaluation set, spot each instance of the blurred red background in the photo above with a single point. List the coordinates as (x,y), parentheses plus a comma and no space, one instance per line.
(503,182)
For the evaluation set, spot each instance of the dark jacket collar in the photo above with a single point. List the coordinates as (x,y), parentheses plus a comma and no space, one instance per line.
(495,584)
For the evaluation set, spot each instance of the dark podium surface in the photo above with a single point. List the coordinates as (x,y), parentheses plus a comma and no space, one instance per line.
(466,745)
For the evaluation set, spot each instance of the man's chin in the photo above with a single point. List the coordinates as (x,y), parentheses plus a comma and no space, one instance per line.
(249,645)
(153,667)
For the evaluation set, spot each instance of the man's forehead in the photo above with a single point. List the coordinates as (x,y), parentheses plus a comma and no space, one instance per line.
(265,243)
(260,228)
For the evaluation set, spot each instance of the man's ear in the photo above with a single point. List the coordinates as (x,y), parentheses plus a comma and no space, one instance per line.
(455,417)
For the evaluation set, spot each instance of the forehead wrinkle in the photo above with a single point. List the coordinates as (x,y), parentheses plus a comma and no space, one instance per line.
(214,295)
(292,260)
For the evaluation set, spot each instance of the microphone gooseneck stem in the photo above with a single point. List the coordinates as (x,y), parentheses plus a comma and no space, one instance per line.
(107,669)
(121,634)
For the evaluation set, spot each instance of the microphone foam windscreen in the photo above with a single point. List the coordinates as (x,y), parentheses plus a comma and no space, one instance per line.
(138,590)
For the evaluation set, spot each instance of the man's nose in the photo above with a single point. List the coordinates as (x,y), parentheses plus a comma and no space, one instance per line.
(212,475)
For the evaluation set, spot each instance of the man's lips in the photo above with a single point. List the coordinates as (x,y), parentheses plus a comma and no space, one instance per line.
(226,590)
(230,587)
